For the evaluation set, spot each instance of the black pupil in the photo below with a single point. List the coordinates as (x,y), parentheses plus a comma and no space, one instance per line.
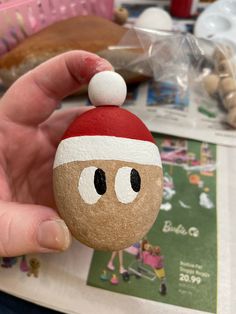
(100,181)
(135,180)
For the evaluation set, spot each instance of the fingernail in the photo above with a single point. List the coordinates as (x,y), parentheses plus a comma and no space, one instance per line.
(54,235)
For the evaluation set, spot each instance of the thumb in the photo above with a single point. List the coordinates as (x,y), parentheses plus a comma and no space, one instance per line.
(26,228)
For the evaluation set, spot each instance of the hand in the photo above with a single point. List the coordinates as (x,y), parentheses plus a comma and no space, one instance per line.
(30,131)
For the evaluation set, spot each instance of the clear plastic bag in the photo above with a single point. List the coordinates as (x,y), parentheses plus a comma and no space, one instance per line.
(184,69)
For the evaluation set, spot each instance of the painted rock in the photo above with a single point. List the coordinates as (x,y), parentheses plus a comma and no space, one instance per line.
(107,172)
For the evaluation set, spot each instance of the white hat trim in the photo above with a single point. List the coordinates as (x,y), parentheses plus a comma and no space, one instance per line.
(84,148)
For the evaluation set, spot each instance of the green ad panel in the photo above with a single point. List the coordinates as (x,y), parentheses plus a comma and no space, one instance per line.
(177,261)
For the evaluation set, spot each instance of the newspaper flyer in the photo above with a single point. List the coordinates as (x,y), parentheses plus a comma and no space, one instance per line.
(165,110)
(177,262)
(187,264)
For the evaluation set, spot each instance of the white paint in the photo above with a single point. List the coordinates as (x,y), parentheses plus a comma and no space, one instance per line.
(205,201)
(166,206)
(86,186)
(180,229)
(84,148)
(107,88)
(124,192)
(156,19)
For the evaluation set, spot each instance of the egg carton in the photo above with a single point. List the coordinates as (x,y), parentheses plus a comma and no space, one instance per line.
(22,18)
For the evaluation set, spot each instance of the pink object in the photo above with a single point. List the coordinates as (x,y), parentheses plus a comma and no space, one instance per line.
(177,156)
(110,266)
(114,280)
(23,264)
(132,250)
(22,18)
(155,261)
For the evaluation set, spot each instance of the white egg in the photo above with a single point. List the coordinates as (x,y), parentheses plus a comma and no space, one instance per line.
(156,19)
(107,88)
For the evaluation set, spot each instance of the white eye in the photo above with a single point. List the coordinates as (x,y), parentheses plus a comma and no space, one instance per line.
(92,184)
(127,184)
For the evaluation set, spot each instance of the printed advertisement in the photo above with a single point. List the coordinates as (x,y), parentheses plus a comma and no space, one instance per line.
(177,262)
(168,110)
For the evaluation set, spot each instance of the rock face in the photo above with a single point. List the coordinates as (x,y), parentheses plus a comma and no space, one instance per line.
(108,178)
(109,223)
(107,171)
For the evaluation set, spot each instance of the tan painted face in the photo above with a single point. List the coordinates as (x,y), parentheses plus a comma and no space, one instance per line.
(110,208)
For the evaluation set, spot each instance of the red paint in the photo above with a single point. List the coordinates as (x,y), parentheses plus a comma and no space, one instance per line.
(109,121)
(181,8)
(89,67)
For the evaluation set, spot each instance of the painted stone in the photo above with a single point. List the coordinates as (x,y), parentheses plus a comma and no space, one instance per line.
(107,173)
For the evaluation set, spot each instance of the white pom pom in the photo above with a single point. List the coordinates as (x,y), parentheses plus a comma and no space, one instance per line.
(107,88)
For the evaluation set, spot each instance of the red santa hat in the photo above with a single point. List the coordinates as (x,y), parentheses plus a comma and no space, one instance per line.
(108,132)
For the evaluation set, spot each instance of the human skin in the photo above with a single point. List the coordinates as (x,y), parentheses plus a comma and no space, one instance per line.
(30,131)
